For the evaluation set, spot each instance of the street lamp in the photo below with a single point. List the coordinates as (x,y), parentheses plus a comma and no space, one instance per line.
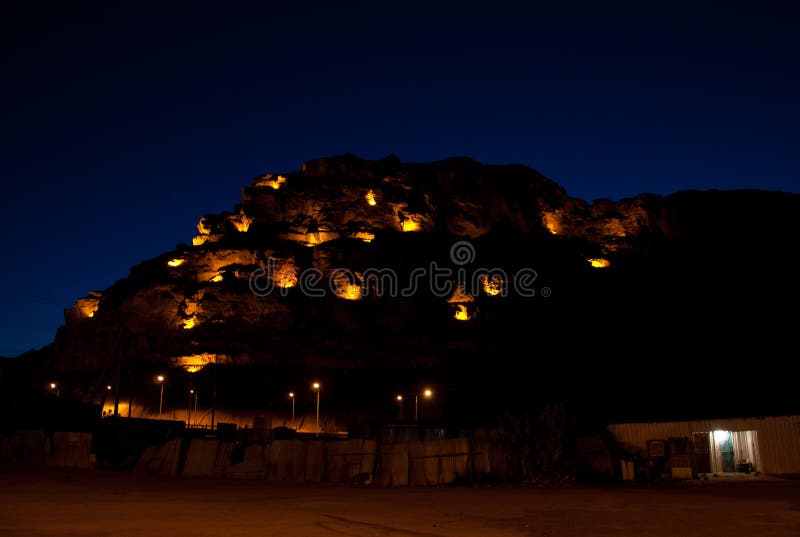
(291,396)
(189,415)
(427,393)
(316,388)
(160,379)
(400,400)
(103,402)
(56,388)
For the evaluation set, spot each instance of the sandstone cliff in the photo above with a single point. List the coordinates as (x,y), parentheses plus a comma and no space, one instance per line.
(616,283)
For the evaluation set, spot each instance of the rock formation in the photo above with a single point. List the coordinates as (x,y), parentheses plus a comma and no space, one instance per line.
(641,284)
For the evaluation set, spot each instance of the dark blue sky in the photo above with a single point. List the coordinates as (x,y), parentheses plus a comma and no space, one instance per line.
(123,123)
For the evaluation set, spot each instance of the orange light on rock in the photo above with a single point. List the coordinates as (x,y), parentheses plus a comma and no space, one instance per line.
(278,182)
(177,262)
(492,286)
(614,227)
(270,181)
(351,291)
(189,323)
(461,313)
(365,236)
(286,276)
(409,225)
(87,306)
(460,296)
(203,227)
(193,363)
(346,288)
(312,238)
(199,240)
(217,278)
(241,222)
(552,222)
(599,262)
(370,197)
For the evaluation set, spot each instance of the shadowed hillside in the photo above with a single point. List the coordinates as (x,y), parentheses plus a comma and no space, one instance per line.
(649,299)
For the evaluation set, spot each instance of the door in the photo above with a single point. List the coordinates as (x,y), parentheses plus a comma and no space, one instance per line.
(702,453)
(724,440)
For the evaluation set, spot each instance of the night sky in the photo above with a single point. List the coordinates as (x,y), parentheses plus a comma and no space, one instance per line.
(123,123)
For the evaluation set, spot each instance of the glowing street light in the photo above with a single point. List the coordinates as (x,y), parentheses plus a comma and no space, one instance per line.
(192,395)
(291,396)
(160,379)
(399,399)
(316,387)
(56,388)
(427,393)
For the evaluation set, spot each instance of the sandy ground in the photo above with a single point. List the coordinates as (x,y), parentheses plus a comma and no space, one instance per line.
(101,503)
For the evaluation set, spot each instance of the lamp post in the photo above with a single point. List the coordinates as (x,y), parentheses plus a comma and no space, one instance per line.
(105,398)
(427,393)
(316,387)
(291,396)
(400,400)
(160,379)
(56,388)
(189,415)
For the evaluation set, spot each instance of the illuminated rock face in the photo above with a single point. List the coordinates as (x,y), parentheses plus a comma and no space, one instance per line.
(492,285)
(599,262)
(286,274)
(462,314)
(345,213)
(86,307)
(269,181)
(337,197)
(193,363)
(460,296)
(552,221)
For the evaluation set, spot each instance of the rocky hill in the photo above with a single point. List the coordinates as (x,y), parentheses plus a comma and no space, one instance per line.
(545,292)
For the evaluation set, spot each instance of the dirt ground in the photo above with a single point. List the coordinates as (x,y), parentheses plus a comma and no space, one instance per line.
(60,503)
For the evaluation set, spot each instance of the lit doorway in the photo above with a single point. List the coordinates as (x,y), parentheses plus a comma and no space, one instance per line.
(722,451)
